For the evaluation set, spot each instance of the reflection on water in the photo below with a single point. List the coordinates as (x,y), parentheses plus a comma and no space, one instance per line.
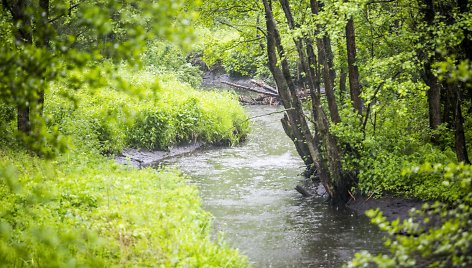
(250,191)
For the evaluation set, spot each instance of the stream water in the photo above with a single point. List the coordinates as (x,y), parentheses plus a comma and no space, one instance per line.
(249,189)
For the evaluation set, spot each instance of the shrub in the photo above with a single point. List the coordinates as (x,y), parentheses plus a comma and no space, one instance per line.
(159,114)
(438,235)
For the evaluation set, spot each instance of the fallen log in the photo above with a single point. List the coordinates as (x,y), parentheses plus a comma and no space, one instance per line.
(251,89)
(303,191)
(264,86)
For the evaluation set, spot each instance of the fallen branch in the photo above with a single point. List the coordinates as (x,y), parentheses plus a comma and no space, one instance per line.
(264,86)
(277,112)
(251,89)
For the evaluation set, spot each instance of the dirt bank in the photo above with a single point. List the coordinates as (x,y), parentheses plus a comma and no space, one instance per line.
(391,207)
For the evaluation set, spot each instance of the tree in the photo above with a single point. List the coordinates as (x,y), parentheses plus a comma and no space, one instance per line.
(49,40)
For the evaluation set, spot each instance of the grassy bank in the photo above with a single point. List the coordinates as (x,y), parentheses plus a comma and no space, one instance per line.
(154,112)
(83,209)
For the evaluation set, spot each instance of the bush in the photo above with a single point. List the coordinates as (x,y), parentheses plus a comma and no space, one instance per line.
(163,58)
(160,114)
(437,235)
(151,130)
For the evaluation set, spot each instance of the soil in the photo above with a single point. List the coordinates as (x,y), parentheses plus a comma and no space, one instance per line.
(391,207)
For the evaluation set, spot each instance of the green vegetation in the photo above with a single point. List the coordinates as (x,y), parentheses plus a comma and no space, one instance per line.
(389,90)
(159,113)
(396,79)
(82,209)
(438,235)
(85,210)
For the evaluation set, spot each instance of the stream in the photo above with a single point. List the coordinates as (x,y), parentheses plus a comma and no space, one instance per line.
(249,189)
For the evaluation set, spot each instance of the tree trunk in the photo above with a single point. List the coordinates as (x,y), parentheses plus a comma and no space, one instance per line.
(459,135)
(301,148)
(325,58)
(328,163)
(296,117)
(342,84)
(23,35)
(434,97)
(23,119)
(44,43)
(354,85)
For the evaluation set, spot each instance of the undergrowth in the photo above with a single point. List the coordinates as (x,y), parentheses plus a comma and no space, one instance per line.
(161,112)
(381,158)
(82,209)
(85,210)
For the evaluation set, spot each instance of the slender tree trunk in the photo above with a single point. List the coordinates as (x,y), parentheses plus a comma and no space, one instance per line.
(23,118)
(44,42)
(325,57)
(460,142)
(342,84)
(461,145)
(434,97)
(23,35)
(296,118)
(354,85)
(434,91)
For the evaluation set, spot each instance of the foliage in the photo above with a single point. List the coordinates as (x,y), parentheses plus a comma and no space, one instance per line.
(82,209)
(164,57)
(233,41)
(162,112)
(437,235)
(85,210)
(47,40)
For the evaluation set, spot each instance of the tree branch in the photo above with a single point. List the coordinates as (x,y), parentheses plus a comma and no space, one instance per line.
(65,13)
(251,89)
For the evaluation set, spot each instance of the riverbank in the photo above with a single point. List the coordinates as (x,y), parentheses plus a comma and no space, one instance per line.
(82,208)
(146,158)
(391,207)
(249,190)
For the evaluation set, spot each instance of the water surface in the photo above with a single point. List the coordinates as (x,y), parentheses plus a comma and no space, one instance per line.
(249,189)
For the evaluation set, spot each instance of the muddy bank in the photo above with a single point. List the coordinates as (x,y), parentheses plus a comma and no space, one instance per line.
(391,207)
(218,79)
(146,158)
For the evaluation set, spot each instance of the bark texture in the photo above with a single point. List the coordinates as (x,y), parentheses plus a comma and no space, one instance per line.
(354,85)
